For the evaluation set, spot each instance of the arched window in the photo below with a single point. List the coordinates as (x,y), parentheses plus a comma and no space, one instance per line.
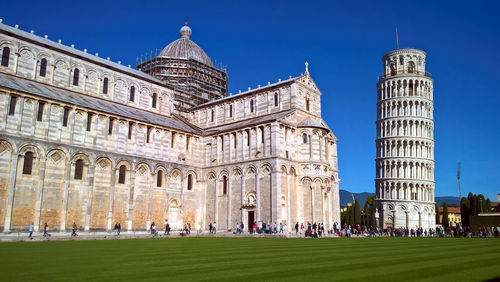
(40,111)
(276,99)
(12,105)
(122,173)
(79,169)
(43,67)
(411,67)
(393,69)
(307,105)
(190,182)
(304,138)
(76,77)
(105,86)
(5,56)
(224,185)
(28,163)
(159,178)
(153,102)
(132,94)
(251,106)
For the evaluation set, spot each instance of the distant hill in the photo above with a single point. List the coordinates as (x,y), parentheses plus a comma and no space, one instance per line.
(345,198)
(448,199)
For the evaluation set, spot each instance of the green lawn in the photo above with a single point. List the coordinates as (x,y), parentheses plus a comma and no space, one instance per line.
(244,259)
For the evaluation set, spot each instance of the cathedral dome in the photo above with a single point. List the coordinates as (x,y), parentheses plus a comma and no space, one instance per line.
(184,48)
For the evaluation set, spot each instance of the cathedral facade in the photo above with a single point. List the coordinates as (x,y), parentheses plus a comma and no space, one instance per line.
(89,141)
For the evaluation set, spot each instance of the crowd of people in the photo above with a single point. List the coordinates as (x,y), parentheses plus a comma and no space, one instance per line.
(315,230)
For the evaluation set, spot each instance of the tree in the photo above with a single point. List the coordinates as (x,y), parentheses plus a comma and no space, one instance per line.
(481,203)
(351,215)
(488,205)
(438,220)
(464,211)
(364,217)
(357,212)
(371,212)
(446,221)
(472,204)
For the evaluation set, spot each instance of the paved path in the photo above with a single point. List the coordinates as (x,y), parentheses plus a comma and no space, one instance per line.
(61,236)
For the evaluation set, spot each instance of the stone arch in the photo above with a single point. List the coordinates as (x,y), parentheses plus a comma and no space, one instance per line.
(174,214)
(101,193)
(211,176)
(142,189)
(175,179)
(236,172)
(265,169)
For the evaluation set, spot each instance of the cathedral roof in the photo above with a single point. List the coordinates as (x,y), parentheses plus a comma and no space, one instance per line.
(94,103)
(59,47)
(309,122)
(184,48)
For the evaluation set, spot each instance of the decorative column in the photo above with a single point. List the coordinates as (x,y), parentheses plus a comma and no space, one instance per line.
(150,198)
(111,197)
(64,214)
(229,181)
(39,197)
(12,185)
(407,219)
(257,189)
(275,186)
(130,213)
(90,179)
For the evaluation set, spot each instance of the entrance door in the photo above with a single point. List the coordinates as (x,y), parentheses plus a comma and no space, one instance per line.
(251,220)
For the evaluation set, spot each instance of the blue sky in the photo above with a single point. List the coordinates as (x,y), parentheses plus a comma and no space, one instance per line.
(343,42)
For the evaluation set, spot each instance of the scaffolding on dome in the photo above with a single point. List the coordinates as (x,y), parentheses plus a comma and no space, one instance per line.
(195,83)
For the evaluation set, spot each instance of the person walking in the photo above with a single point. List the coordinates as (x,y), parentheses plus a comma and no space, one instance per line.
(46,230)
(116,229)
(31,231)
(167,228)
(119,228)
(296,228)
(210,228)
(73,233)
(214,227)
(153,229)
(241,228)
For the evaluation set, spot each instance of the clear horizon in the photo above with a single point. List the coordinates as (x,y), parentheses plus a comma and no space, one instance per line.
(343,43)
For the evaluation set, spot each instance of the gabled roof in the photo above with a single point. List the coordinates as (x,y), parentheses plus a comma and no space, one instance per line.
(93,103)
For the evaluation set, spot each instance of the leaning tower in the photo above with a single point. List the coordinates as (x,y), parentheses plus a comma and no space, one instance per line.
(404,180)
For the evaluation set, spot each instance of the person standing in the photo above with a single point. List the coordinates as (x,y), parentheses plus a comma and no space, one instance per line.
(241,228)
(296,228)
(119,228)
(31,231)
(116,229)
(214,227)
(210,227)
